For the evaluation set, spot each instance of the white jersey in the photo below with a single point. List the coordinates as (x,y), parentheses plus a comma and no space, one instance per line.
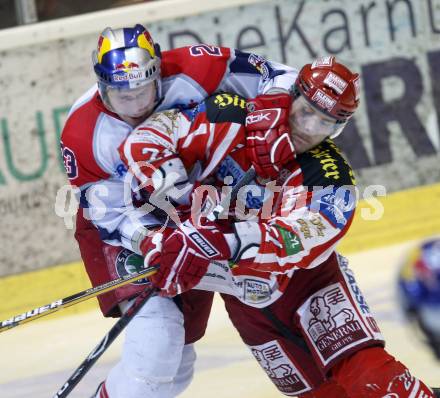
(92,134)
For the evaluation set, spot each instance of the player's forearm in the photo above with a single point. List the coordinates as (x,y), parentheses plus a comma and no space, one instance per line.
(301,238)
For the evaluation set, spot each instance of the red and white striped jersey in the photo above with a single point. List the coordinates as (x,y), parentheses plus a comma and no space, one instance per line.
(203,135)
(296,222)
(92,134)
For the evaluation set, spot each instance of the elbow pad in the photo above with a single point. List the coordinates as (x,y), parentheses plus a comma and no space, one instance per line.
(247,236)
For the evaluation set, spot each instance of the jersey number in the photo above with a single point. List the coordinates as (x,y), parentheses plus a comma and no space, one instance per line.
(69,162)
(200,49)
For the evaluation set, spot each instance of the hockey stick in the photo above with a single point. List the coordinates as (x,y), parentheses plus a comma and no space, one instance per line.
(74,299)
(111,285)
(114,332)
(108,339)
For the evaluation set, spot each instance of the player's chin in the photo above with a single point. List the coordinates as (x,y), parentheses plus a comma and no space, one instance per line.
(300,144)
(140,114)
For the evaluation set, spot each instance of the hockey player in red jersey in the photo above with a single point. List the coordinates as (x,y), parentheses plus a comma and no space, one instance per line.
(292,298)
(135,78)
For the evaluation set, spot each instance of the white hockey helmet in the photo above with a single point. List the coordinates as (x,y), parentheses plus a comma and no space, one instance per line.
(127,65)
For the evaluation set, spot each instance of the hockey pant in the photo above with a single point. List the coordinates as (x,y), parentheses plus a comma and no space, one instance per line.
(342,352)
(104,262)
(324,308)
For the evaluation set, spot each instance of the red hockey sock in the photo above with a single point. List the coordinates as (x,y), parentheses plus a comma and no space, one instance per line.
(373,373)
(329,389)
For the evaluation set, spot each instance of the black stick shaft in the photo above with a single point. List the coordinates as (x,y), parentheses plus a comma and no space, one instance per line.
(74,299)
(108,339)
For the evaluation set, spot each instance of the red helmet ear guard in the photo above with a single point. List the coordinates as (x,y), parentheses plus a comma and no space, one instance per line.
(330,86)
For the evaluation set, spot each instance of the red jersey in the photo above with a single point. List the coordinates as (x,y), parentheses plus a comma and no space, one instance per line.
(296,222)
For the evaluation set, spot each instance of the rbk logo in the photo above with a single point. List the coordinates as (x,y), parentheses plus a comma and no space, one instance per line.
(257,117)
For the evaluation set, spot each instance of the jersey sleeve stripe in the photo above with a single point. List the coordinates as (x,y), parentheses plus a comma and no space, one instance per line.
(221,150)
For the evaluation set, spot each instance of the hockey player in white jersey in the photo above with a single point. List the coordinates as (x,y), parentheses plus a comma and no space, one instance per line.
(135,78)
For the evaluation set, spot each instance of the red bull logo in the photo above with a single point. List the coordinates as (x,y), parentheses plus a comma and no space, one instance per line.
(130,71)
(127,66)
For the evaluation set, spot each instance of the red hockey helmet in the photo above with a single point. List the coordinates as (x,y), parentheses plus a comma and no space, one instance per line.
(329,86)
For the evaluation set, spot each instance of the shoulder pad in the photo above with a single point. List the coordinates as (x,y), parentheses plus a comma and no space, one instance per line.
(325,165)
(225,107)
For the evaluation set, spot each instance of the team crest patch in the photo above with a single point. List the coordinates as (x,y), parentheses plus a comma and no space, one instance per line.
(127,263)
(260,64)
(338,206)
(280,368)
(331,322)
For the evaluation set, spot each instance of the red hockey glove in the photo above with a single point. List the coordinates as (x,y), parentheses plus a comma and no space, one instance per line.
(184,255)
(268,142)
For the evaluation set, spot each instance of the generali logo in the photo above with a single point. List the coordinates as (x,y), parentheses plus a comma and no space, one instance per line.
(332,322)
